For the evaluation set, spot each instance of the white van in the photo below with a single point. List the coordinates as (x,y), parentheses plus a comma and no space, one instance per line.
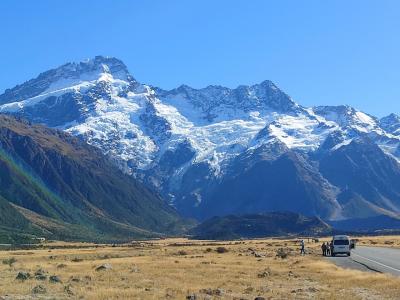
(340,245)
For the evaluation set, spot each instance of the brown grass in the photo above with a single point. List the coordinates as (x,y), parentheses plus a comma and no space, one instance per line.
(176,268)
(380,241)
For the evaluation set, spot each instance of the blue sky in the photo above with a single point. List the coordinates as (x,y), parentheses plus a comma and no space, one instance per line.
(319,52)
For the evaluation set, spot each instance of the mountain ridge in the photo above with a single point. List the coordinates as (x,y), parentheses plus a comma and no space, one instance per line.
(271,224)
(184,143)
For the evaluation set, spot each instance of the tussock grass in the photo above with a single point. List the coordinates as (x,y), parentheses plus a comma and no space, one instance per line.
(153,270)
(391,241)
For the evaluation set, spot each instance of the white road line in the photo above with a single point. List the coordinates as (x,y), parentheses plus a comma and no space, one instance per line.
(378,263)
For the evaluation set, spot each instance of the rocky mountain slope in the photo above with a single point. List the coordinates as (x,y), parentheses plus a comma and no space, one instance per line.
(54,185)
(216,150)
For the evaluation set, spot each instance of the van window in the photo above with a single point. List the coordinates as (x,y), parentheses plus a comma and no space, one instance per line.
(341,242)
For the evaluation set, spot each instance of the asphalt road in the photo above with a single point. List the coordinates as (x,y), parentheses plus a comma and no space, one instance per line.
(373,259)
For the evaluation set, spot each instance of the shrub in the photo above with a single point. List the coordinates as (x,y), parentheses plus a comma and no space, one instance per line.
(60,266)
(222,250)
(282,253)
(77,259)
(9,261)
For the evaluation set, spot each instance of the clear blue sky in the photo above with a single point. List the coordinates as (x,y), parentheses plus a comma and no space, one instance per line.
(319,52)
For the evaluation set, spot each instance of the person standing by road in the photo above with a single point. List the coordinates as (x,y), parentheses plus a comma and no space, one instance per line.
(328,249)
(302,249)
(323,247)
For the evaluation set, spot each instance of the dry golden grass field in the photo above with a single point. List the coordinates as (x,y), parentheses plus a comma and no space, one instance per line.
(185,269)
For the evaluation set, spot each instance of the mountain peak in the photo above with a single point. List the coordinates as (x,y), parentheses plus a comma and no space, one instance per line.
(391,118)
(89,67)
(67,74)
(267,84)
(348,117)
(391,123)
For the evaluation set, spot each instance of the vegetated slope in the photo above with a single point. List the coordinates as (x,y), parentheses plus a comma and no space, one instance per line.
(199,148)
(68,189)
(14,227)
(260,225)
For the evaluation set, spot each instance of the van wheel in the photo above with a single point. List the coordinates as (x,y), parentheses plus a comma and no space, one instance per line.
(348,253)
(333,254)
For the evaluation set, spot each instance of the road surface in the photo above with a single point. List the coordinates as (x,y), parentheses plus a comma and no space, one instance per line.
(374,259)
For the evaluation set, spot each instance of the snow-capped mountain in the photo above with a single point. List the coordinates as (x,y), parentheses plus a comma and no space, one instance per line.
(193,145)
(391,124)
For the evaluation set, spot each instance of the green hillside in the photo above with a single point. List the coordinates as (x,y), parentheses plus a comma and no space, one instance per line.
(54,185)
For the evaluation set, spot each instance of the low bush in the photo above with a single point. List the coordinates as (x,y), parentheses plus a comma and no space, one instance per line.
(282,253)
(9,261)
(222,250)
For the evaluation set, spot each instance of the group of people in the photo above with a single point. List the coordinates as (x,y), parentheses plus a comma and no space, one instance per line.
(327,249)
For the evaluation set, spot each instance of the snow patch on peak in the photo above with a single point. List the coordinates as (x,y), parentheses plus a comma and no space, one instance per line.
(300,132)
(348,117)
(67,75)
(344,143)
(115,127)
(64,85)
(92,69)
